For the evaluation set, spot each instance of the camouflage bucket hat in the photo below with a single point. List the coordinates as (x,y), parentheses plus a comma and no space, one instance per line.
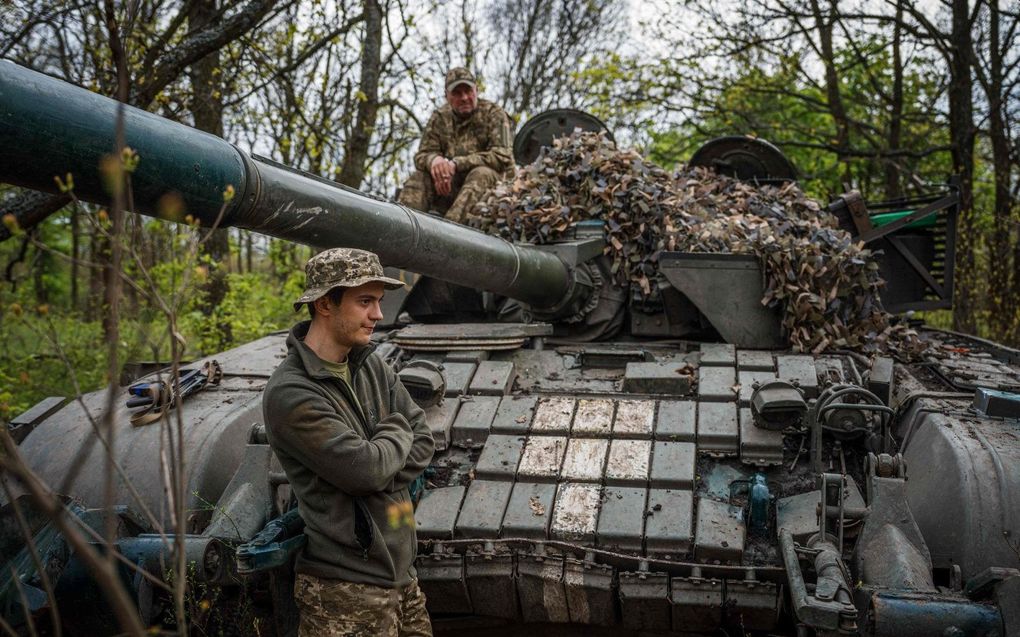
(342,267)
(459,75)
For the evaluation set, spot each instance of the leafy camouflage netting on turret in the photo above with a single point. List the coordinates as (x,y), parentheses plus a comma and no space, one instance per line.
(826,285)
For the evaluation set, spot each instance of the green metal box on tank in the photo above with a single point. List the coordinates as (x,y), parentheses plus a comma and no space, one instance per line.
(690,474)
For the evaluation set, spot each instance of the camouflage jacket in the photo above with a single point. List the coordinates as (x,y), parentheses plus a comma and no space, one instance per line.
(349,462)
(481,139)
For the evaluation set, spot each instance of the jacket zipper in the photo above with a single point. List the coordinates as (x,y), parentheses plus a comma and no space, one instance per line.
(351,395)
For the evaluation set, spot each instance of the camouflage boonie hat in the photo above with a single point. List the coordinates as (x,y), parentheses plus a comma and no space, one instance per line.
(459,75)
(341,267)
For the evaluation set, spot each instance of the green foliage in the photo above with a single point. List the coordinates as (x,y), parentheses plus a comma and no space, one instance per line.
(43,353)
(253,307)
(676,105)
(778,104)
(603,81)
(38,352)
(942,319)
(672,147)
(49,349)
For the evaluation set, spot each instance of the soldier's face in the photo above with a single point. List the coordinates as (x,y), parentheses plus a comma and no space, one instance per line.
(463,99)
(353,320)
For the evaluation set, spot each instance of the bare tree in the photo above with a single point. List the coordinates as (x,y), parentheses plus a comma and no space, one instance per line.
(528,53)
(956,46)
(327,95)
(997,68)
(206,108)
(538,45)
(359,137)
(59,39)
(852,110)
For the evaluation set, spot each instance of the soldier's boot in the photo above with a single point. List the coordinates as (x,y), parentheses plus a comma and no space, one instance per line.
(476,183)
(417,192)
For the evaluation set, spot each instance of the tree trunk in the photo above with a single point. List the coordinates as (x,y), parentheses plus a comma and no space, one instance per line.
(207,109)
(249,248)
(99,253)
(893,187)
(40,262)
(961,132)
(823,23)
(1001,281)
(356,146)
(75,256)
(134,228)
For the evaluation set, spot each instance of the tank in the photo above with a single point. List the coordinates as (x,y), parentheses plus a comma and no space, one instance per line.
(690,475)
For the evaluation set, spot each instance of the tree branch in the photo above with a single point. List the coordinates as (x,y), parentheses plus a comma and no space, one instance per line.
(29,209)
(197,45)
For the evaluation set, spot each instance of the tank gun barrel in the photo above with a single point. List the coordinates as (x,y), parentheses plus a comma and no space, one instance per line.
(50,128)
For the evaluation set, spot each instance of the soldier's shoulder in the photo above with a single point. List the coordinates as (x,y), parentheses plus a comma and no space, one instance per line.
(487,107)
(441,116)
(444,111)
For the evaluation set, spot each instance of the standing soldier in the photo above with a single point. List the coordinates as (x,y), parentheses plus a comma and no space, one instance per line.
(350,440)
(464,150)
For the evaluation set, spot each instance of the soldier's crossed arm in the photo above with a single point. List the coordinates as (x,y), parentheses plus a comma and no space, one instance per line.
(422,445)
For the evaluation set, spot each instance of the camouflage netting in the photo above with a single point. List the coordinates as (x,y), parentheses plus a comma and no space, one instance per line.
(826,285)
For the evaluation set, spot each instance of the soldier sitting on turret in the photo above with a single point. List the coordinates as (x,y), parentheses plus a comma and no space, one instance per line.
(465,149)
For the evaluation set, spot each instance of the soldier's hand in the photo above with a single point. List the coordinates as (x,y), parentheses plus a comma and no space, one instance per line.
(442,170)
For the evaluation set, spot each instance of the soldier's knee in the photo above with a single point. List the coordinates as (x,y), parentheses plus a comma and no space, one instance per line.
(416,180)
(415,193)
(482,174)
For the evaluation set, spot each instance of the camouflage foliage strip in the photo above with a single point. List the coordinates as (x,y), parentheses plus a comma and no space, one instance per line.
(826,285)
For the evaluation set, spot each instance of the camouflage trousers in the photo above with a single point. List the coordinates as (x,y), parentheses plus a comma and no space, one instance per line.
(334,608)
(419,193)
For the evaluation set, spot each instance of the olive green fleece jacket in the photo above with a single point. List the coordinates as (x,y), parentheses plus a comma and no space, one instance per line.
(349,467)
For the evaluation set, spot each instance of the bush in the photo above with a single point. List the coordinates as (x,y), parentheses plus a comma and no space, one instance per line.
(254,306)
(37,348)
